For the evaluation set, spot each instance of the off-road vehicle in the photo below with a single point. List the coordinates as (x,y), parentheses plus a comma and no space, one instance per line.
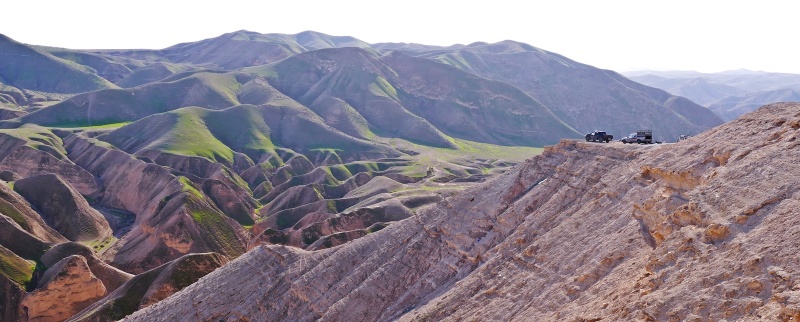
(599,136)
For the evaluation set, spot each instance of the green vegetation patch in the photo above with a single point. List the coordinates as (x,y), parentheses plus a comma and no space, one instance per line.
(102,245)
(340,172)
(218,229)
(467,154)
(189,187)
(381,87)
(241,128)
(455,60)
(39,138)
(191,137)
(223,85)
(110,126)
(15,268)
(9,210)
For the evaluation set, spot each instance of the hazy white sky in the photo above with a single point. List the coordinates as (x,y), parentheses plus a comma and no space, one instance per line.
(703,35)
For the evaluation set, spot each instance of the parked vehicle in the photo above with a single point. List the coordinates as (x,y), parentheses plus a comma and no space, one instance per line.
(645,136)
(640,137)
(631,138)
(683,137)
(599,136)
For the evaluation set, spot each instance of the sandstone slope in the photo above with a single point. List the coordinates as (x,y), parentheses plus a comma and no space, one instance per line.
(66,288)
(704,228)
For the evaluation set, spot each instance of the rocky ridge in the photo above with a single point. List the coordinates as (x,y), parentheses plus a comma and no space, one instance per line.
(701,229)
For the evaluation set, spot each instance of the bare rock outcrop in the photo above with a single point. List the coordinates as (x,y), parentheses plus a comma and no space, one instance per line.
(111,277)
(63,208)
(701,229)
(66,288)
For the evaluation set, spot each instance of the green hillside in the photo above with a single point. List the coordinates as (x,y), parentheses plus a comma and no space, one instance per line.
(249,129)
(15,268)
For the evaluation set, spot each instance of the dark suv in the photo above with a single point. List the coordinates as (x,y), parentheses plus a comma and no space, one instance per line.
(599,136)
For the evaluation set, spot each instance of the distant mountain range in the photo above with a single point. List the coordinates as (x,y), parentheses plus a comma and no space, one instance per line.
(548,90)
(218,146)
(729,94)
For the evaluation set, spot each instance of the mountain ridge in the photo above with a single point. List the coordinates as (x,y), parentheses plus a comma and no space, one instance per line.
(729,94)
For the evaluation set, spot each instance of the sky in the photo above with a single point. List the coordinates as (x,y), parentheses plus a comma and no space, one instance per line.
(621,35)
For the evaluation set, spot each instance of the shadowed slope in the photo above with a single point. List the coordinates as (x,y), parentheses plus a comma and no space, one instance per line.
(63,208)
(19,210)
(31,149)
(173,216)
